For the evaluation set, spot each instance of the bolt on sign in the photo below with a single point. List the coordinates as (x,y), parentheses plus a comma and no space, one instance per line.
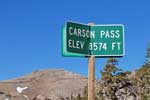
(97,40)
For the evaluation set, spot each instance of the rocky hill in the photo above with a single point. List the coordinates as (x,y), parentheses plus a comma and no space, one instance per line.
(43,85)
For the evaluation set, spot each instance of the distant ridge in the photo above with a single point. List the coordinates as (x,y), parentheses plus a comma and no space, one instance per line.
(53,84)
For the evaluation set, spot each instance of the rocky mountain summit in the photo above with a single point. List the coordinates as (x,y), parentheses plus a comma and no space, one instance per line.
(43,85)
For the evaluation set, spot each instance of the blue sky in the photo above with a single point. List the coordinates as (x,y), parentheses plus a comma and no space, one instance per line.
(30,33)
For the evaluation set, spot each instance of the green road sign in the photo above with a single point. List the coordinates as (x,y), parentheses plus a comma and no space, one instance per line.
(97,40)
(64,46)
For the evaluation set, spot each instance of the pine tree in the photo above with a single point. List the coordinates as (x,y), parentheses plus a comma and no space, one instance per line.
(148,55)
(110,70)
(113,79)
(143,76)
